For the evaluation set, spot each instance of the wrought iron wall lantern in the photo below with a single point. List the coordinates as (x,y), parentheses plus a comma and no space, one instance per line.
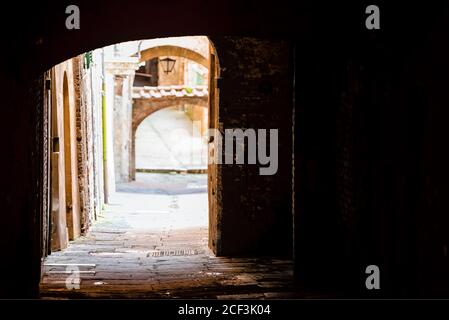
(167,64)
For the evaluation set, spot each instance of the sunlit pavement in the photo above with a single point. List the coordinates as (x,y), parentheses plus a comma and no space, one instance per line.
(151,242)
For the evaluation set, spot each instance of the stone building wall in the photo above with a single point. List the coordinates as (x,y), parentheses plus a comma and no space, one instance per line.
(122,127)
(65,216)
(88,122)
(176,76)
(76,193)
(94,134)
(255,91)
(81,135)
(199,116)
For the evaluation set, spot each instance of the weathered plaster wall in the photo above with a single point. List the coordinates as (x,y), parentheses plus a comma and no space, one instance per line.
(75,198)
(119,80)
(122,127)
(176,76)
(66,216)
(199,115)
(87,82)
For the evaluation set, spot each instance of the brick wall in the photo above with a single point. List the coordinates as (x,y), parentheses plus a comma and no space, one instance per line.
(255,92)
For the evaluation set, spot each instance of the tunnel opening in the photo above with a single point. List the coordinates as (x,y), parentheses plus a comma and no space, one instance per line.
(144,171)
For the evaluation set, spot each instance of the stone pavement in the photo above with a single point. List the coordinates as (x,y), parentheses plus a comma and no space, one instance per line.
(151,242)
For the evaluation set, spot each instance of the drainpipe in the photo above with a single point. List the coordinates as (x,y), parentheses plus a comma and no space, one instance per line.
(103,120)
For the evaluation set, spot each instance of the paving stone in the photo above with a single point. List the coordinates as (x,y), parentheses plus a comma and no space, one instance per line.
(139,252)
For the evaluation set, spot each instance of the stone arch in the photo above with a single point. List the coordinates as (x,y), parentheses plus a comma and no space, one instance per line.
(173,51)
(143,108)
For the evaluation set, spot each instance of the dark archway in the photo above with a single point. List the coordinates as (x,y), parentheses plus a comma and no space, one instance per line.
(103,24)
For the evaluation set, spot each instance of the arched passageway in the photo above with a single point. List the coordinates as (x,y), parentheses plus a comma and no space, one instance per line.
(223,221)
(169,140)
(145,104)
